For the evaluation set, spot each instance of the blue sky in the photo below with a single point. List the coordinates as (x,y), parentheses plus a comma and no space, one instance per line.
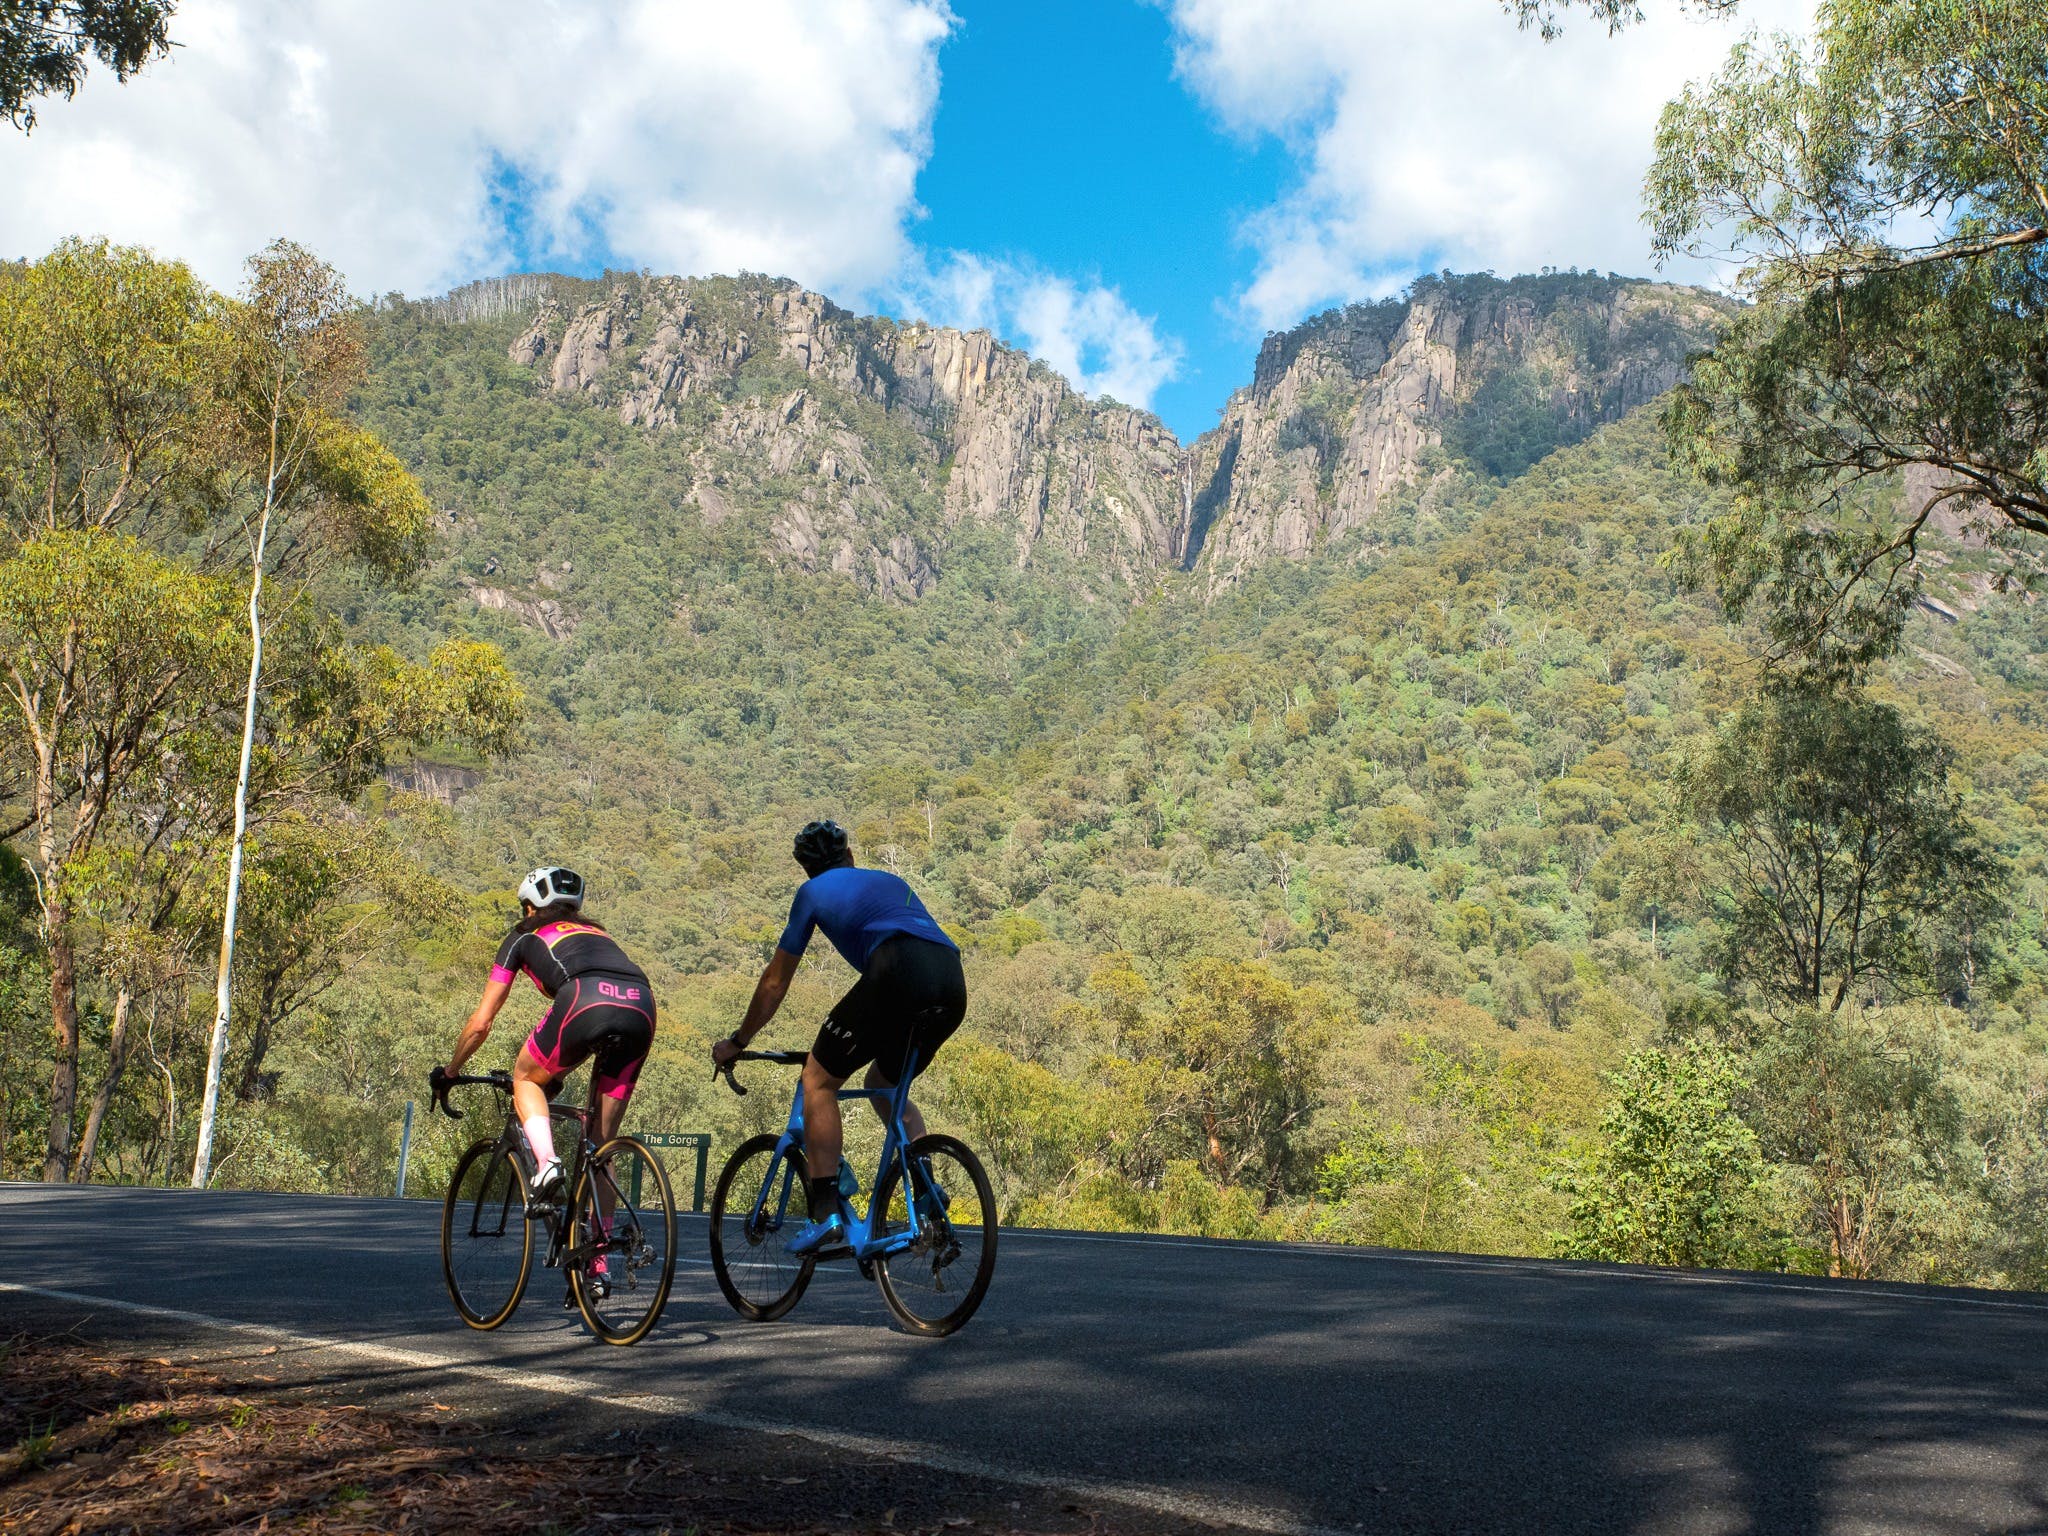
(1135,190)
(1128,181)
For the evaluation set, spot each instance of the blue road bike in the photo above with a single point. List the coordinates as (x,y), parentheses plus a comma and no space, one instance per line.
(927,1238)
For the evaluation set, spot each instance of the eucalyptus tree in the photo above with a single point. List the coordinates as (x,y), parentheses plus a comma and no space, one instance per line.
(1546,15)
(106,357)
(114,659)
(1881,188)
(1847,867)
(292,464)
(45,45)
(1866,1106)
(153,436)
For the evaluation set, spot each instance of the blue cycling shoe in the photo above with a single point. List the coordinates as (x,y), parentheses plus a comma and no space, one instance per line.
(932,1199)
(814,1235)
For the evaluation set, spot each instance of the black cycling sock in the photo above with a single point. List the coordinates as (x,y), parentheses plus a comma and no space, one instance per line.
(824,1196)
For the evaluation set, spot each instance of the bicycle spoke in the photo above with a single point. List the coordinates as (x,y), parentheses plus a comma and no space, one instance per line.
(622,1255)
(486,1241)
(935,1283)
(757,1206)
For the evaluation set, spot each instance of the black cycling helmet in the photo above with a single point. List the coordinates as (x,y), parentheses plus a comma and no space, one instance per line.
(820,846)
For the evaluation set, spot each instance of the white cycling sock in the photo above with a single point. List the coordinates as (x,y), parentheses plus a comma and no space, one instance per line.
(541,1137)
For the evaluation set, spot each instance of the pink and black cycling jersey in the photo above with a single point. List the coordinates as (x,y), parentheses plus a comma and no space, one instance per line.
(556,953)
(601,1006)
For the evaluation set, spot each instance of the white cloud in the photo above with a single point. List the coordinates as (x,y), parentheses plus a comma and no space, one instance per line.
(1439,135)
(684,135)
(1089,333)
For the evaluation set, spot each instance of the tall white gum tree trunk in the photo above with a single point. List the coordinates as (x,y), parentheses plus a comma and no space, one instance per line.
(223,992)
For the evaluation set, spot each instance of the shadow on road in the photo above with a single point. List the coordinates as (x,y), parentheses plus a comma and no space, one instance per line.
(1337,1389)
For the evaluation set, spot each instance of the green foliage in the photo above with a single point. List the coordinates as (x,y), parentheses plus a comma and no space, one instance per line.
(1866,1108)
(1882,183)
(1676,1177)
(44,45)
(1509,423)
(1444,1152)
(1220,1072)
(114,656)
(1850,865)
(1615,14)
(145,426)
(105,358)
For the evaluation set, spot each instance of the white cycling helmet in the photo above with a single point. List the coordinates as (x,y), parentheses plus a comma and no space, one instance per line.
(548,885)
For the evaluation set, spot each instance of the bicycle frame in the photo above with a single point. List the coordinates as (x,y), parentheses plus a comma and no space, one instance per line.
(864,1239)
(560,1248)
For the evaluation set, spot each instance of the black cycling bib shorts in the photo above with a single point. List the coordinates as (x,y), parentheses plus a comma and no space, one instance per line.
(910,999)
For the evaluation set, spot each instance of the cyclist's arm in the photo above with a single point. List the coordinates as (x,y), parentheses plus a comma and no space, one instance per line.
(768,995)
(478,1029)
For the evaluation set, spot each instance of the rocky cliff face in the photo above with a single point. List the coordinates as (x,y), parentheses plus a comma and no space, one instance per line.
(1342,411)
(860,443)
(841,426)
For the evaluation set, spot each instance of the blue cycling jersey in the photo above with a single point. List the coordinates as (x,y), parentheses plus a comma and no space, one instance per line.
(858,909)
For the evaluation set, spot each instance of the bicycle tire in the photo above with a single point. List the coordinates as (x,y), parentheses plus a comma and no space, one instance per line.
(757,1264)
(916,1276)
(616,1318)
(502,1186)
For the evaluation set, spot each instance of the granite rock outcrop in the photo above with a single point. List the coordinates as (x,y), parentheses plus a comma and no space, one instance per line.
(1342,411)
(866,419)
(864,446)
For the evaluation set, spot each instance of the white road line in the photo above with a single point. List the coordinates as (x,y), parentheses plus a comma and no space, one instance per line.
(1163,1501)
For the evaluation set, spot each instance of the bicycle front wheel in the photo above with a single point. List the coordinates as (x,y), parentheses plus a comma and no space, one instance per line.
(757,1206)
(486,1240)
(934,1285)
(622,1258)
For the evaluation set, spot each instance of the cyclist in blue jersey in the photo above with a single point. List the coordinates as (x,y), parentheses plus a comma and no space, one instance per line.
(909,999)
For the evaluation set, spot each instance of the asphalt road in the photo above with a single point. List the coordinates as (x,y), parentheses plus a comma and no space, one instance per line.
(1286,1388)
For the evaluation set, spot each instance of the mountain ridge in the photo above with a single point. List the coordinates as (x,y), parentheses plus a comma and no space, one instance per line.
(794,404)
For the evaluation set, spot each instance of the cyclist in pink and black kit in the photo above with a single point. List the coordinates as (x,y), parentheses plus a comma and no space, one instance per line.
(601,1007)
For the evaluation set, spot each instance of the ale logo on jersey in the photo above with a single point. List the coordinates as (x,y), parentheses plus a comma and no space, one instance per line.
(622,994)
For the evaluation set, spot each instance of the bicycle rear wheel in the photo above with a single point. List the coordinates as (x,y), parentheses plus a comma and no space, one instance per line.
(759,1278)
(486,1240)
(935,1285)
(622,1261)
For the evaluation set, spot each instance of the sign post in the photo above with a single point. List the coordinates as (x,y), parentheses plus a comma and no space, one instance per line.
(404,1148)
(697,1139)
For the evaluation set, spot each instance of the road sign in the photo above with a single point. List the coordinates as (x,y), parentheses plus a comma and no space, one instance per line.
(698,1140)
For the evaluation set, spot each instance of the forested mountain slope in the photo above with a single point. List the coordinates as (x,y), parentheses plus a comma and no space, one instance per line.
(1305,799)
(1309,895)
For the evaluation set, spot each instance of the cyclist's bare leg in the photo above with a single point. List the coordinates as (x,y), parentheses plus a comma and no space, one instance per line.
(610,1112)
(531,1081)
(604,1126)
(913,1120)
(824,1135)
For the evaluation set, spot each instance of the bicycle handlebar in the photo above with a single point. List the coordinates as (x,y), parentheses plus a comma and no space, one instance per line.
(782,1058)
(441,1082)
